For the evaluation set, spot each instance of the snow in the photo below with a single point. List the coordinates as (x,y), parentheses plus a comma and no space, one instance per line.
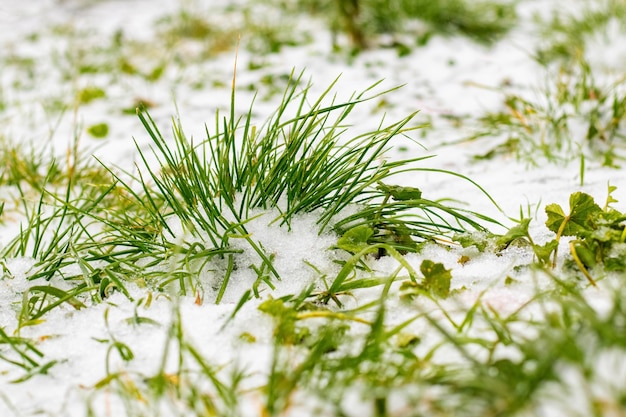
(448,77)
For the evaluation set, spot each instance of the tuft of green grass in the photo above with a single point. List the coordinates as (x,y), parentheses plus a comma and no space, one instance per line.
(216,31)
(565,36)
(295,165)
(546,126)
(362,20)
(193,386)
(172,223)
(22,165)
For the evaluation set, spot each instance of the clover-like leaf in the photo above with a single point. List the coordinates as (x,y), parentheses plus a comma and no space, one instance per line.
(356,239)
(436,278)
(544,252)
(579,220)
(556,216)
(582,210)
(516,232)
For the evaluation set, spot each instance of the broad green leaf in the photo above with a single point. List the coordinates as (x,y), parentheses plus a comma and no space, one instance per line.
(356,239)
(582,210)
(556,216)
(578,221)
(399,193)
(436,278)
(544,252)
(274,307)
(285,329)
(516,232)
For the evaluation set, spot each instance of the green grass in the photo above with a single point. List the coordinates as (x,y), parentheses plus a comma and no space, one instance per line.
(543,128)
(363,20)
(120,230)
(101,229)
(182,215)
(566,35)
(320,357)
(94,232)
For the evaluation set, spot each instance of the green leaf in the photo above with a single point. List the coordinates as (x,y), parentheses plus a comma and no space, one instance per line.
(478,239)
(89,94)
(285,317)
(544,252)
(99,130)
(556,216)
(586,255)
(436,278)
(516,232)
(578,221)
(356,239)
(582,210)
(399,193)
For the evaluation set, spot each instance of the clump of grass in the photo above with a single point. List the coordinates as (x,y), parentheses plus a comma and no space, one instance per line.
(31,173)
(194,386)
(573,102)
(296,165)
(21,165)
(483,21)
(182,215)
(565,36)
(211,32)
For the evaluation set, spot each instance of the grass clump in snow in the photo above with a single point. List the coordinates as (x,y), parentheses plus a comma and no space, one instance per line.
(174,224)
(576,118)
(213,30)
(298,161)
(566,36)
(361,20)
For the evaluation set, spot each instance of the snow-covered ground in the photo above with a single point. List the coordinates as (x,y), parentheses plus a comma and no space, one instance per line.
(449,80)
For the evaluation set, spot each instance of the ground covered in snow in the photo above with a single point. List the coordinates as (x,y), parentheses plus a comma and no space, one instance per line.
(525,120)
